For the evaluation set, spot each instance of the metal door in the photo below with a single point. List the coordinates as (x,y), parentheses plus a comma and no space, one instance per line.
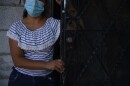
(95,42)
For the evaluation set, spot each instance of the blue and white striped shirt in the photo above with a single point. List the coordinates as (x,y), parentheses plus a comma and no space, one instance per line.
(37,44)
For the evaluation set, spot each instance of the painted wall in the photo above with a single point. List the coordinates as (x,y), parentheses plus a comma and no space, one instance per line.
(10,11)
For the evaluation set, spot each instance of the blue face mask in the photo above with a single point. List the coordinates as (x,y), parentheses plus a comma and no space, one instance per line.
(34,7)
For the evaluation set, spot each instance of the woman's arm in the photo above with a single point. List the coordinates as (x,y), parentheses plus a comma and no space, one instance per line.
(20,61)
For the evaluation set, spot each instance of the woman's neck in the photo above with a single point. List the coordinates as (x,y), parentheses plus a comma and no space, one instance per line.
(34,20)
(34,23)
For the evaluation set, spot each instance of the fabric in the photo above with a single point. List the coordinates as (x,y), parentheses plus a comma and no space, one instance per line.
(37,44)
(34,7)
(18,79)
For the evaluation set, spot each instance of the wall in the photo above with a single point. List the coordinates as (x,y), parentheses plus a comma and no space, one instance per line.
(10,11)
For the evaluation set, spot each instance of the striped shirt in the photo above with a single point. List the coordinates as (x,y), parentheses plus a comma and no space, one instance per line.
(37,44)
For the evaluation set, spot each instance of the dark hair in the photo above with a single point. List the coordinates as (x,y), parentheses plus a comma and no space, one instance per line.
(45,13)
(25,13)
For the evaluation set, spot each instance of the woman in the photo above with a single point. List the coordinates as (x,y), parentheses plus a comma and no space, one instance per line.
(31,43)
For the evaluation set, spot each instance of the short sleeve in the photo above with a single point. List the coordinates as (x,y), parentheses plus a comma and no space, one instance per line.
(55,23)
(12,32)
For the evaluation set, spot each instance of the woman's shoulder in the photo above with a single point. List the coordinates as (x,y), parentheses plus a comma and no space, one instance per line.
(16,27)
(16,24)
(53,19)
(14,31)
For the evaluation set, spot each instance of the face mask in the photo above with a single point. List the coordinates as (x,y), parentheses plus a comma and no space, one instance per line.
(34,7)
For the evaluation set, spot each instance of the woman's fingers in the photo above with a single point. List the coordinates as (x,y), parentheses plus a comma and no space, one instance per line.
(60,66)
(59,1)
(61,70)
(57,65)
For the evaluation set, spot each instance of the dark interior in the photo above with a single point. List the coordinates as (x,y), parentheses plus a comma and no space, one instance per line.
(95,44)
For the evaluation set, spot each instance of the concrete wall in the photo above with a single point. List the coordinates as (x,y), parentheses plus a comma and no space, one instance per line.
(10,11)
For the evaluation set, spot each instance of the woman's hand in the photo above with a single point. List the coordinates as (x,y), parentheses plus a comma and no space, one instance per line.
(57,65)
(59,1)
